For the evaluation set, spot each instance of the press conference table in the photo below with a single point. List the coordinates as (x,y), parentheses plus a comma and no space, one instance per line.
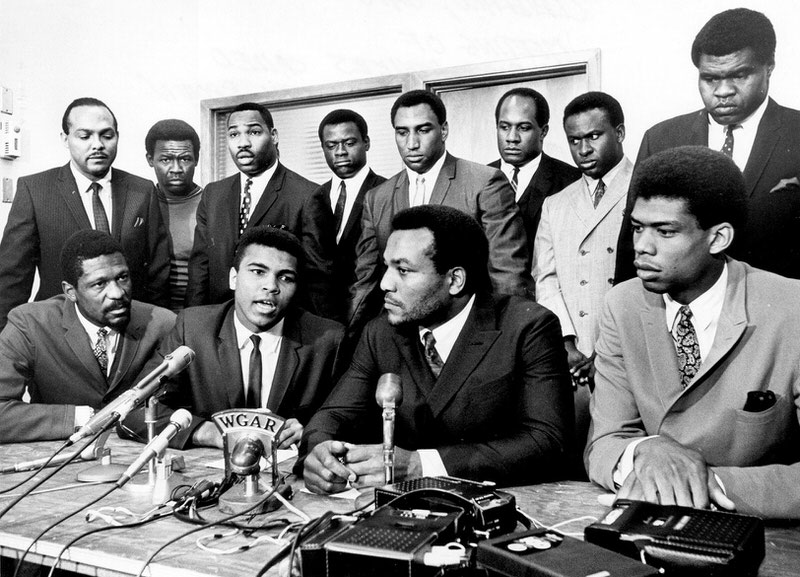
(121,552)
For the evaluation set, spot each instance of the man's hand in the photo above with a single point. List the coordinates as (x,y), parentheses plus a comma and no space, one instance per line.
(666,472)
(324,470)
(291,434)
(366,461)
(581,367)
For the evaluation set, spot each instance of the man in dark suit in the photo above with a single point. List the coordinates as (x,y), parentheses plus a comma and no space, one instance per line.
(79,350)
(432,176)
(345,142)
(485,387)
(735,56)
(259,350)
(264,192)
(86,193)
(522,116)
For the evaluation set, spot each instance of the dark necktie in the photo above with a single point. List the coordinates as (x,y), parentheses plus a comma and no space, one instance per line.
(515,179)
(254,379)
(599,192)
(727,146)
(100,217)
(244,213)
(338,211)
(686,345)
(101,350)
(431,354)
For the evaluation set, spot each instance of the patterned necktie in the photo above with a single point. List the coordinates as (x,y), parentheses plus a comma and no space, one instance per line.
(431,354)
(100,217)
(244,213)
(254,379)
(599,192)
(338,211)
(515,179)
(686,345)
(727,146)
(101,350)
(419,193)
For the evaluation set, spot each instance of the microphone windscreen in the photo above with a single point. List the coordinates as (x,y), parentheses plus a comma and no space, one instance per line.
(389,389)
(182,418)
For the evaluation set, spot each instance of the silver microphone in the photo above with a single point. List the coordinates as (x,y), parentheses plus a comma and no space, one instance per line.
(172,364)
(389,395)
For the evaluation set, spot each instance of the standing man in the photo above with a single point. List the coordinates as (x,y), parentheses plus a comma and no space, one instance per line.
(77,351)
(485,388)
(345,142)
(173,149)
(85,193)
(263,192)
(735,55)
(432,176)
(522,116)
(573,264)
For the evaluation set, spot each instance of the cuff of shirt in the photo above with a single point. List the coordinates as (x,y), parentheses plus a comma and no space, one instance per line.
(82,415)
(432,464)
(625,463)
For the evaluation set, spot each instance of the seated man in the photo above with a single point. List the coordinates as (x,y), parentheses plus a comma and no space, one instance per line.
(486,389)
(682,348)
(77,351)
(259,350)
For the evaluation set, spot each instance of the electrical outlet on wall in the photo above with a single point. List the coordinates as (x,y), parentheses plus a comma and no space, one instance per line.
(8,190)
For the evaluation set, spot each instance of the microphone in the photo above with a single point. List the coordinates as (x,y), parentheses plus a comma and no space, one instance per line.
(90,453)
(389,395)
(119,408)
(180,420)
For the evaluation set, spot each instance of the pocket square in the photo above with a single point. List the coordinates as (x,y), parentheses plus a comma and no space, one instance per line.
(786,183)
(138,222)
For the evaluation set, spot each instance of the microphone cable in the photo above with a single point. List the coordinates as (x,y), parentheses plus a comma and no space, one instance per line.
(36,471)
(42,480)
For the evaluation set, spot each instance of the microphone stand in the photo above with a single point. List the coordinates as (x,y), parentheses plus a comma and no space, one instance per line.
(388,442)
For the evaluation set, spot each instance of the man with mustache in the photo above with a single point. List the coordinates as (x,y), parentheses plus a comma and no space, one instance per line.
(698,370)
(262,192)
(84,194)
(735,55)
(77,351)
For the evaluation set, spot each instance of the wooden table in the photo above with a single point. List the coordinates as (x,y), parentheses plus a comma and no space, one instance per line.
(122,552)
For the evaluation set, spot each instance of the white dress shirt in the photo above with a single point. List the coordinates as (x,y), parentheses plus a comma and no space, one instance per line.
(270,347)
(524,176)
(84,412)
(84,188)
(430,181)
(743,136)
(607,178)
(257,188)
(352,185)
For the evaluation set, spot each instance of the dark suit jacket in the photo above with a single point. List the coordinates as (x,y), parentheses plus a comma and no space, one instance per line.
(45,348)
(289,200)
(772,175)
(500,410)
(481,192)
(552,176)
(345,263)
(47,210)
(213,382)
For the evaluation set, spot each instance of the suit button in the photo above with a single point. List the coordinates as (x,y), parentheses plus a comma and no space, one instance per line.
(584,252)
(582,313)
(610,250)
(584,282)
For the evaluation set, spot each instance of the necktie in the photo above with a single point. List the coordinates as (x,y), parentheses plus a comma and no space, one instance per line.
(727,146)
(599,192)
(244,213)
(254,379)
(686,345)
(100,217)
(101,350)
(338,211)
(419,193)
(515,179)
(431,354)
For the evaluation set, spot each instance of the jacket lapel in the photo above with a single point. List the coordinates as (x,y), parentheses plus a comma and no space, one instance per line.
(288,359)
(228,356)
(660,349)
(119,189)
(400,200)
(446,176)
(410,348)
(355,213)
(78,342)
(269,197)
(129,341)
(765,142)
(617,190)
(68,190)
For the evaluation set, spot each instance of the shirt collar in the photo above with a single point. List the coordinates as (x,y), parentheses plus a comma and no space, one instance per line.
(91,328)
(447,333)
(526,171)
(749,123)
(430,177)
(607,178)
(83,183)
(260,181)
(353,183)
(705,308)
(270,339)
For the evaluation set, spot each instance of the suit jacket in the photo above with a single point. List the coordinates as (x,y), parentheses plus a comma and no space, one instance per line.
(289,200)
(213,382)
(772,175)
(47,210)
(551,176)
(45,349)
(500,410)
(344,274)
(479,191)
(638,390)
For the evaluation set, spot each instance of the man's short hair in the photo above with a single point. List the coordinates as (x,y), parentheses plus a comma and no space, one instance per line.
(84,101)
(85,245)
(342,115)
(708,181)
(458,241)
(596,100)
(415,97)
(260,108)
(271,236)
(734,30)
(542,108)
(171,129)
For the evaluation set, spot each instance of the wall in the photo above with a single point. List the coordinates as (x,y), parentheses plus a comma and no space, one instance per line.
(154,59)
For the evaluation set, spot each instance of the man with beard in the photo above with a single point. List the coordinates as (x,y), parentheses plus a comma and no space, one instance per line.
(75,352)
(486,390)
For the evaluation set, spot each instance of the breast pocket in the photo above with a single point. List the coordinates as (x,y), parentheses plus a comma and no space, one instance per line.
(757,436)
